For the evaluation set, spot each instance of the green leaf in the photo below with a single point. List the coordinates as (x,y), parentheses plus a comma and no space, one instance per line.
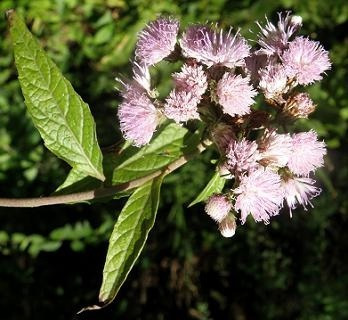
(133,163)
(64,121)
(128,237)
(215,185)
(77,181)
(104,34)
(169,143)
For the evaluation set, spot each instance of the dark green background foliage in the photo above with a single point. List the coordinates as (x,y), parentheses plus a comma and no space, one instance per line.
(51,258)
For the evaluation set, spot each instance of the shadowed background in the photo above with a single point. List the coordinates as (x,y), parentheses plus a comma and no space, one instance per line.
(51,258)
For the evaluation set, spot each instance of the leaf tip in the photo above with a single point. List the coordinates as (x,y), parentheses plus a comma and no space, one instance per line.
(191,204)
(100,177)
(90,308)
(103,302)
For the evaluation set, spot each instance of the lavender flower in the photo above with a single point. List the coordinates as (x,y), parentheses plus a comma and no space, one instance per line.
(191,79)
(141,75)
(272,39)
(299,191)
(138,116)
(307,153)
(235,94)
(259,194)
(300,105)
(218,207)
(305,60)
(157,40)
(213,47)
(227,226)
(273,80)
(275,149)
(242,156)
(181,106)
(190,85)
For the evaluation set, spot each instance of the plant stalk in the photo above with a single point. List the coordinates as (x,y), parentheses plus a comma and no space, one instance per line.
(98,193)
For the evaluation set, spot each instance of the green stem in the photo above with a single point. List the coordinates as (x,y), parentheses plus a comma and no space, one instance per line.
(98,193)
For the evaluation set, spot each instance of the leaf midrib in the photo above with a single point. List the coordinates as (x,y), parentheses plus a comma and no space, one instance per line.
(125,250)
(137,156)
(55,100)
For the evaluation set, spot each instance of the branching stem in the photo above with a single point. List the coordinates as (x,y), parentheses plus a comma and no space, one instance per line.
(101,192)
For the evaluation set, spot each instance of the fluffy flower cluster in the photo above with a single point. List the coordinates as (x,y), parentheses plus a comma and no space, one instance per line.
(211,46)
(305,60)
(285,60)
(157,41)
(219,79)
(190,85)
(274,39)
(235,94)
(273,169)
(206,51)
(138,115)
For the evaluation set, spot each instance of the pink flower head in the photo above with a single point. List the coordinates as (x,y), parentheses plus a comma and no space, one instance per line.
(227,226)
(300,105)
(242,156)
(259,194)
(218,207)
(157,40)
(299,191)
(181,106)
(305,60)
(307,153)
(235,94)
(213,47)
(141,75)
(191,78)
(274,39)
(273,80)
(138,116)
(275,149)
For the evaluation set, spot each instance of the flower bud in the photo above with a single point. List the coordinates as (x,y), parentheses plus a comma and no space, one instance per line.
(227,226)
(296,22)
(222,134)
(299,106)
(218,207)
(273,81)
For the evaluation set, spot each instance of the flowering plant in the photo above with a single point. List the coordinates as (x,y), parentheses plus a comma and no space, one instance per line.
(262,167)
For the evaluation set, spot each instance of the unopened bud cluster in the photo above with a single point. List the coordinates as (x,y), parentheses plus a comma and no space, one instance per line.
(220,77)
